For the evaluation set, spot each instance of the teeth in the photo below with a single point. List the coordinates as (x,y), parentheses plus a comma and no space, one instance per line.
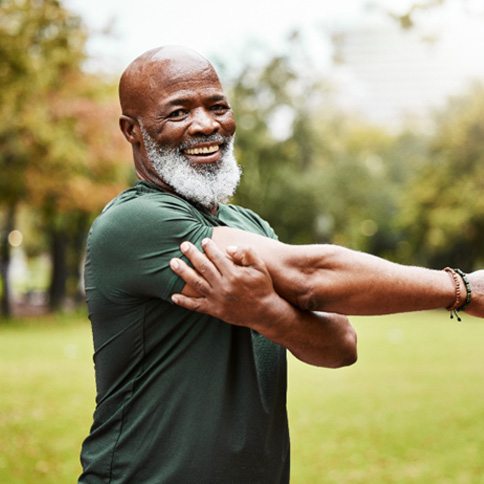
(202,151)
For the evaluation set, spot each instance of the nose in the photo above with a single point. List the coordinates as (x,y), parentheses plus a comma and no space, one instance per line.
(203,122)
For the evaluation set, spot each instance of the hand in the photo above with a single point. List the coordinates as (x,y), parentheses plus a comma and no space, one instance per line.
(476,307)
(236,289)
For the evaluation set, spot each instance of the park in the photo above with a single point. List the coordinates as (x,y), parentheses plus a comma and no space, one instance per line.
(408,188)
(409,411)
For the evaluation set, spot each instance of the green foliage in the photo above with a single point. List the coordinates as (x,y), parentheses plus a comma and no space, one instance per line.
(275,172)
(409,411)
(320,175)
(443,208)
(358,183)
(41,44)
(56,122)
(316,174)
(61,154)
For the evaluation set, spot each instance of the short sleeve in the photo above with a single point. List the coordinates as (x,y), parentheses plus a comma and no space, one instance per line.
(245,219)
(131,245)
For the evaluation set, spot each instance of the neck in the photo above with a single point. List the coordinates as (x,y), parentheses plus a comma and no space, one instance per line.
(145,172)
(153,179)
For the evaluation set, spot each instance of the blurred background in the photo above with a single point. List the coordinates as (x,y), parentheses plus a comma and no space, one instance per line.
(360,123)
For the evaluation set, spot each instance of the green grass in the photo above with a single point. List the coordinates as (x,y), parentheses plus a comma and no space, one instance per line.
(47,398)
(411,409)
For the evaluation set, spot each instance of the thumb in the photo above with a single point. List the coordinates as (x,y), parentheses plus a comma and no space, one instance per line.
(244,256)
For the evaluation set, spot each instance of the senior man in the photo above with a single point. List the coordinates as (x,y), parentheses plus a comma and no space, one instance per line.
(184,397)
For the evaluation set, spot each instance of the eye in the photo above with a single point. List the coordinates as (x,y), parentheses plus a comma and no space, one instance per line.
(220,108)
(178,114)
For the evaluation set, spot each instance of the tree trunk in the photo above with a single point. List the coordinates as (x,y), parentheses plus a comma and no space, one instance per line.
(76,256)
(5,304)
(59,274)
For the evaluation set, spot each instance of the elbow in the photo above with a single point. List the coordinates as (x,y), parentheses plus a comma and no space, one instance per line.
(335,349)
(350,353)
(346,353)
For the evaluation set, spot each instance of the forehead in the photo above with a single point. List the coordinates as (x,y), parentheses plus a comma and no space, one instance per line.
(192,77)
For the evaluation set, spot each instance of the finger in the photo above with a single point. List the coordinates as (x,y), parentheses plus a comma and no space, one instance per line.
(218,258)
(245,256)
(202,264)
(190,303)
(190,276)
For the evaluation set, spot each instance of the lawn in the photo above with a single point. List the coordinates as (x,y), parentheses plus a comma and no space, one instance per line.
(411,409)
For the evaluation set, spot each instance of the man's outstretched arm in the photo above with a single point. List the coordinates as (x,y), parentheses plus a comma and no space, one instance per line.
(335,279)
(244,295)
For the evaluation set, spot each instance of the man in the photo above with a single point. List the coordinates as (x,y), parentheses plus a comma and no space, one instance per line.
(183,397)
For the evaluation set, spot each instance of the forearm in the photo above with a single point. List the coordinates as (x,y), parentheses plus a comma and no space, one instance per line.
(336,279)
(320,339)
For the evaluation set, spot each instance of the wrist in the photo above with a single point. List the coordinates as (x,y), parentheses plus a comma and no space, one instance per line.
(462,291)
(275,317)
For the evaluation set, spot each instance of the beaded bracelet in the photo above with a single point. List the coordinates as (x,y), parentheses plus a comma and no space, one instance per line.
(459,303)
(468,289)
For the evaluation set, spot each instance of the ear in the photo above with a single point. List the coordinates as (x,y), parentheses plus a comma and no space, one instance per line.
(130,128)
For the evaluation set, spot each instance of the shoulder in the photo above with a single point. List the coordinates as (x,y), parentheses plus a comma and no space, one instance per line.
(142,213)
(133,208)
(146,204)
(131,243)
(251,217)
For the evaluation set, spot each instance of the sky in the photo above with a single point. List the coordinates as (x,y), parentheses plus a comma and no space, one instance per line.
(215,28)
(224,28)
(232,31)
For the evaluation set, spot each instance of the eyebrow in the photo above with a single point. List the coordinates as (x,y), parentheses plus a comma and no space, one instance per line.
(180,100)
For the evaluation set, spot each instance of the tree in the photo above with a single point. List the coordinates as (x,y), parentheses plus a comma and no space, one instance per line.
(275,140)
(316,173)
(443,209)
(52,121)
(40,43)
(81,174)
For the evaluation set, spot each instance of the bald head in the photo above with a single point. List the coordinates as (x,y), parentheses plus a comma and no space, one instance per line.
(176,117)
(142,79)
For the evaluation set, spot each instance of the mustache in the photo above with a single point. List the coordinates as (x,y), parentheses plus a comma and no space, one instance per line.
(212,138)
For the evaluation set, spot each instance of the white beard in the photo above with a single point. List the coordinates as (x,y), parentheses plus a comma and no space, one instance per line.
(206,185)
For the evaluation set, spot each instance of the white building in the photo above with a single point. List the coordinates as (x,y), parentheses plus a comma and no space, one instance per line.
(391,74)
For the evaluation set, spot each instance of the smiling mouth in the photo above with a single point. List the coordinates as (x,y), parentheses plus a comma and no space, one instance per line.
(204,150)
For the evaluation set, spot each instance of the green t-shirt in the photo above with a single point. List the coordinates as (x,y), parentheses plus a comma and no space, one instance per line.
(181,397)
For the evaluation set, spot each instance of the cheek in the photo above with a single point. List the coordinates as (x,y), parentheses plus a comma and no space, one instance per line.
(170,136)
(229,124)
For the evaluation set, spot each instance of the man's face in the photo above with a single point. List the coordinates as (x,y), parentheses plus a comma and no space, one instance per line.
(188,130)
